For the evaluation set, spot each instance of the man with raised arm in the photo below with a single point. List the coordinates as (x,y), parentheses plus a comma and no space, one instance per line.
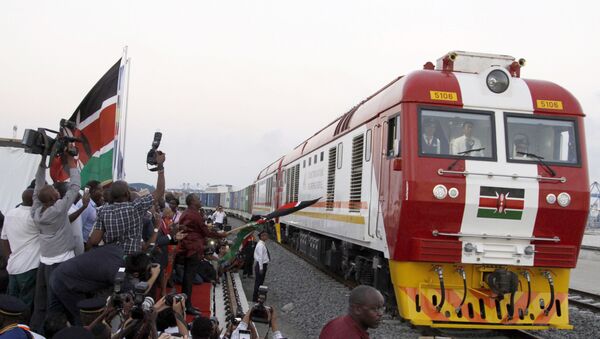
(121,222)
(50,214)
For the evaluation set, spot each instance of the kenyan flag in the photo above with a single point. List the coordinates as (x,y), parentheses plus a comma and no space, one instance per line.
(96,119)
(501,203)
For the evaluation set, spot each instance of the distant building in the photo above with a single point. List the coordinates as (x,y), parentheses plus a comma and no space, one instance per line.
(218,189)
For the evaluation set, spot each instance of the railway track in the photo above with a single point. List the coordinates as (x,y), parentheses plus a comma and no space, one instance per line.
(426,332)
(585,300)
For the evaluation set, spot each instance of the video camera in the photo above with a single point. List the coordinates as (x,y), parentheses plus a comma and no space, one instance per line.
(151,157)
(261,313)
(38,142)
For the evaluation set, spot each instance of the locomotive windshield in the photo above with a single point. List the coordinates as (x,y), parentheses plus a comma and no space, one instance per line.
(452,133)
(551,139)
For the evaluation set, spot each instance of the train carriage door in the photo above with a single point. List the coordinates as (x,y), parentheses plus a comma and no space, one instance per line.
(372,194)
(391,162)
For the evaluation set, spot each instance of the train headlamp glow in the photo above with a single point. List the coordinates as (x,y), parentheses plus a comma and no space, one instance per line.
(497,81)
(440,191)
(551,198)
(564,199)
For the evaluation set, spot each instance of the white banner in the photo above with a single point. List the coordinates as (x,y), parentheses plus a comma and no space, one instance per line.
(16,173)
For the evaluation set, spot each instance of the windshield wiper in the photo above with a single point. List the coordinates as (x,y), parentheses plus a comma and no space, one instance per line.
(541,161)
(462,154)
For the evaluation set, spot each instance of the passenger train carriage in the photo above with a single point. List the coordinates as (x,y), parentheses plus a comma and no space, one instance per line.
(460,191)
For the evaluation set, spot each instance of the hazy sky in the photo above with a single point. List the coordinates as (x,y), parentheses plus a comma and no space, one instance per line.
(233,85)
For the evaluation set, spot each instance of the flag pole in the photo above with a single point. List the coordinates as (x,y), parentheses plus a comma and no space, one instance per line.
(122,101)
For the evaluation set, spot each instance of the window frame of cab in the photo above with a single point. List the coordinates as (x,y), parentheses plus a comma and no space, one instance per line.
(490,113)
(543,117)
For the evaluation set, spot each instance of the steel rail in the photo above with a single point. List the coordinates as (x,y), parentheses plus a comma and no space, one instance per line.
(586,300)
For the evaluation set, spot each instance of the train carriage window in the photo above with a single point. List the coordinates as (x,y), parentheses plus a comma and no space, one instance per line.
(393,137)
(448,133)
(322,155)
(315,161)
(309,161)
(368,146)
(553,140)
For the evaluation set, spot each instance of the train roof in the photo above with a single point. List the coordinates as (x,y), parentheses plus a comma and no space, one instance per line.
(416,87)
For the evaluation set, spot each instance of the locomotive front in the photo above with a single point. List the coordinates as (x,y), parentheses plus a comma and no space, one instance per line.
(490,195)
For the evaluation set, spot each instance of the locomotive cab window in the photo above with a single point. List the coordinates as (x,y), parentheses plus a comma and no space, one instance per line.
(393,137)
(454,133)
(530,138)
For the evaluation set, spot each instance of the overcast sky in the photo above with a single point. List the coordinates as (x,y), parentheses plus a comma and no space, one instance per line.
(233,85)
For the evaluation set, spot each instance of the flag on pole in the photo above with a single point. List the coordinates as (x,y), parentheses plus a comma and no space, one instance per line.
(244,232)
(100,124)
(289,208)
(240,241)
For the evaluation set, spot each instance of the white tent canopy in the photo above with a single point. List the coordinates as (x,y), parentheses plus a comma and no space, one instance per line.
(16,173)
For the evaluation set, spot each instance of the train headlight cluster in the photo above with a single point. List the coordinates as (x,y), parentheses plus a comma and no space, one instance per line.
(564,199)
(453,192)
(551,198)
(440,191)
(497,81)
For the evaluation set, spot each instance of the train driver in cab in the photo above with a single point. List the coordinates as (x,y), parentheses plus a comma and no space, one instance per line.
(429,143)
(466,142)
(520,146)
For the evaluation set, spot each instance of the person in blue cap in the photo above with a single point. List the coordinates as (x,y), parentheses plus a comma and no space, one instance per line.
(11,313)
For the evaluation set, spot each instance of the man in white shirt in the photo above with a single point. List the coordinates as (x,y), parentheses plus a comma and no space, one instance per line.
(262,258)
(466,142)
(20,241)
(218,217)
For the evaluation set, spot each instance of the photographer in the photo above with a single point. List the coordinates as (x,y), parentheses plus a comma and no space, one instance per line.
(144,325)
(121,222)
(246,323)
(50,215)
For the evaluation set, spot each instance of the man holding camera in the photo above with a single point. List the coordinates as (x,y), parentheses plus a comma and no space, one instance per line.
(244,328)
(50,213)
(121,222)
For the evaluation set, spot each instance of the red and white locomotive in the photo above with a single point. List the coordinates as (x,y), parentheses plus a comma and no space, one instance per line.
(460,189)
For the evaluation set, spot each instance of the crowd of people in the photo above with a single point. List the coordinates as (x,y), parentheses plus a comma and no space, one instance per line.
(92,263)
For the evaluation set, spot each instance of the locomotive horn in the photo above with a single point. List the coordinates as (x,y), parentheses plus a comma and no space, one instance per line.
(522,62)
(452,56)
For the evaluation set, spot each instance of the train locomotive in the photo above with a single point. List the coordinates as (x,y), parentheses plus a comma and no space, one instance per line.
(459,190)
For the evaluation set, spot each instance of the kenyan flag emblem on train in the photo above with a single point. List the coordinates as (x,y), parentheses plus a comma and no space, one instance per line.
(501,202)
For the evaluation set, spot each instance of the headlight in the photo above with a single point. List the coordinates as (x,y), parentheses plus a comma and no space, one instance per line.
(529,250)
(497,81)
(564,199)
(440,191)
(551,198)
(453,192)
(469,247)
